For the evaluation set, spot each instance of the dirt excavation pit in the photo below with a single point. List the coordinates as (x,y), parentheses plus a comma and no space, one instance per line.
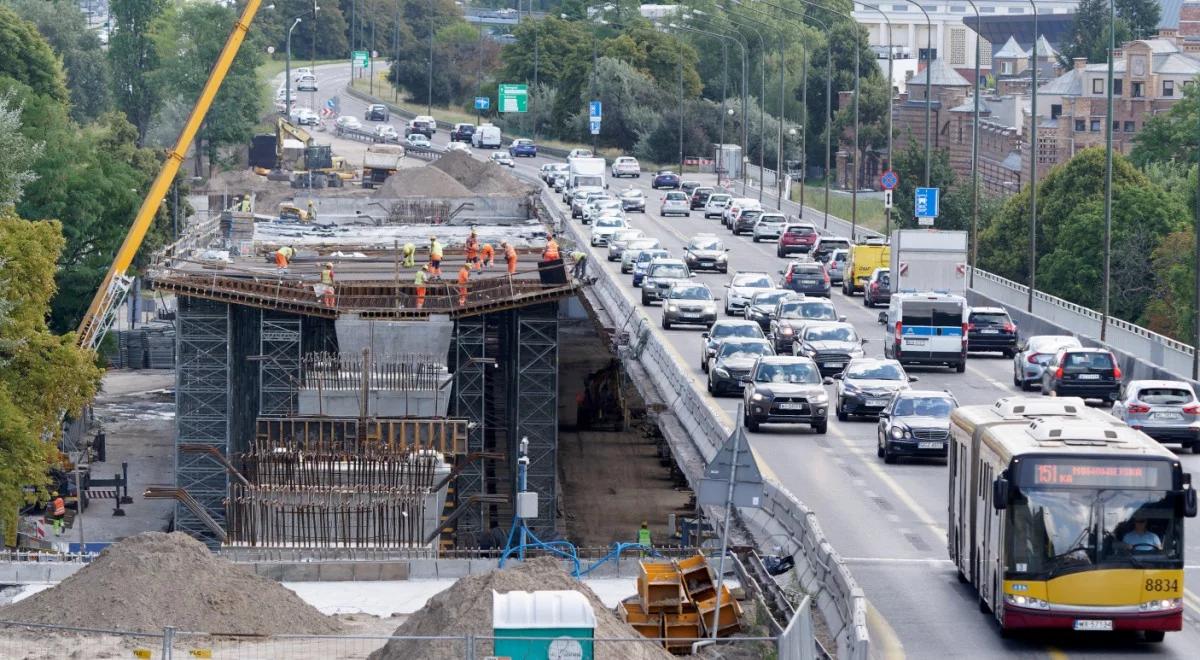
(153,580)
(466,608)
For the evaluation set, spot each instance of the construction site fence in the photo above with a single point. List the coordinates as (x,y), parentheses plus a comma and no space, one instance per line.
(29,640)
(838,597)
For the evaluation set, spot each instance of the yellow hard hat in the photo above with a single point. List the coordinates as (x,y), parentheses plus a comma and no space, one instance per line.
(55,493)
(329,264)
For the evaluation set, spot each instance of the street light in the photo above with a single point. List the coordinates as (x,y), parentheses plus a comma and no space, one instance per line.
(1108,167)
(1033,156)
(287,94)
(429,98)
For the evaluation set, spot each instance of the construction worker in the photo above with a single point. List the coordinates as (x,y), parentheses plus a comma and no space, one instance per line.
(312,212)
(58,509)
(551,251)
(580,259)
(327,285)
(410,255)
(464,275)
(487,256)
(435,257)
(510,257)
(644,534)
(283,256)
(472,249)
(419,279)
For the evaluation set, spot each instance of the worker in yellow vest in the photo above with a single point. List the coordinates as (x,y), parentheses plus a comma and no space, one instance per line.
(435,257)
(410,255)
(283,256)
(327,296)
(644,535)
(419,279)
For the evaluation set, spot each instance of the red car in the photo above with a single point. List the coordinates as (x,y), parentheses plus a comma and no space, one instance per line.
(796,238)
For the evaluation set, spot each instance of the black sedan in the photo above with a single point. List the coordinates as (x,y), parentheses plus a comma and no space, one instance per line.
(1088,373)
(792,315)
(733,362)
(762,306)
(665,179)
(915,423)
(786,390)
(991,329)
(830,344)
(722,331)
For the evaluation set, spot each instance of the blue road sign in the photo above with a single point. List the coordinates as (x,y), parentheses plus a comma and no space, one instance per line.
(889,180)
(926,203)
(594,126)
(483,102)
(594,110)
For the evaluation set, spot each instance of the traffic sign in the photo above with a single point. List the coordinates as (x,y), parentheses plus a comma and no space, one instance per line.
(361,58)
(594,126)
(887,198)
(926,204)
(483,102)
(595,111)
(513,98)
(888,180)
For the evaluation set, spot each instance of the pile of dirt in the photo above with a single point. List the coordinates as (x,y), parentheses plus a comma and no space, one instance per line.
(422,182)
(482,177)
(154,580)
(466,608)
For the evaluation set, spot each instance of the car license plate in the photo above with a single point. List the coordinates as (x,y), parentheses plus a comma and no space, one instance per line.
(791,406)
(919,341)
(835,365)
(1166,416)
(1094,624)
(990,332)
(687,315)
(1089,376)
(877,402)
(706,264)
(808,282)
(929,445)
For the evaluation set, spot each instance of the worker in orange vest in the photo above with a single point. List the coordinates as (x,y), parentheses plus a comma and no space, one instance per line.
(510,257)
(464,274)
(551,251)
(488,255)
(59,511)
(473,248)
(419,279)
(282,257)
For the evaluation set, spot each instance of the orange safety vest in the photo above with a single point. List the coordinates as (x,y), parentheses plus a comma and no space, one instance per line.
(60,507)
(488,252)
(472,248)
(510,255)
(463,275)
(551,252)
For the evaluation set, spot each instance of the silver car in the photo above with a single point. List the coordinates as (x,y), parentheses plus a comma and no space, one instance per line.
(675,203)
(716,204)
(1166,410)
(632,249)
(1034,354)
(742,288)
(633,200)
(769,226)
(618,241)
(836,266)
(686,302)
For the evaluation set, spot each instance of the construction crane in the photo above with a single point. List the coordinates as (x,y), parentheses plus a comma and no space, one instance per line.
(108,299)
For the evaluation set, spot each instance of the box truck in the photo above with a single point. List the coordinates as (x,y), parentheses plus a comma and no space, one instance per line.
(586,174)
(929,260)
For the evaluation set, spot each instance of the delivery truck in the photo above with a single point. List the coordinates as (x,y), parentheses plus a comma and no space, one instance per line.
(586,174)
(862,260)
(929,260)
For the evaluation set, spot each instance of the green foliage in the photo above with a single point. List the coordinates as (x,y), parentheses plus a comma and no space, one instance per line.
(28,59)
(955,202)
(132,57)
(325,36)
(1172,135)
(63,24)
(410,70)
(17,153)
(1141,16)
(1171,309)
(1089,36)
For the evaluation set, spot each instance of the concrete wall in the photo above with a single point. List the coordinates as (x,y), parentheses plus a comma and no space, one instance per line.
(395,338)
(381,403)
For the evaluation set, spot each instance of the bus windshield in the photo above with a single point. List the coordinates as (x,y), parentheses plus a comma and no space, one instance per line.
(1057,531)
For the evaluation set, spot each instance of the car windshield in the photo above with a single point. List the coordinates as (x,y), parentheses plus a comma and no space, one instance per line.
(669,271)
(1051,344)
(665,173)
(641,244)
(827,244)
(770,297)
(750,214)
(924,406)
(676,197)
(925,313)
(630,194)
(831,333)
(743,349)
(1165,396)
(626,234)
(690,293)
(610,222)
(772,219)
(754,280)
(815,310)
(650,255)
(718,199)
(705,244)
(875,372)
(807,269)
(989,318)
(1064,530)
(797,373)
(1087,361)
(736,330)
(801,231)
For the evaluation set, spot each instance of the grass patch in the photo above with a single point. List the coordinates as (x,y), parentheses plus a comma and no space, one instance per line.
(870,209)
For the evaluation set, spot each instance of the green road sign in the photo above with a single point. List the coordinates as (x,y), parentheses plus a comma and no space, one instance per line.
(361,58)
(513,98)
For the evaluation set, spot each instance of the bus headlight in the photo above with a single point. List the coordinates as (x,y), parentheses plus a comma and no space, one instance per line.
(1026,601)
(1160,605)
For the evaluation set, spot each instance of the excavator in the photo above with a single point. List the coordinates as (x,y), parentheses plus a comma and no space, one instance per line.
(309,165)
(108,299)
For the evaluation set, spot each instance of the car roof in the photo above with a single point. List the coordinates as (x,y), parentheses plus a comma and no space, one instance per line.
(989,310)
(833,238)
(750,272)
(1087,349)
(914,394)
(736,322)
(785,359)
(818,323)
(1157,383)
(667,261)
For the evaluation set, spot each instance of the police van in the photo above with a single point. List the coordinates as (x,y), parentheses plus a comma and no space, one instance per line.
(927,327)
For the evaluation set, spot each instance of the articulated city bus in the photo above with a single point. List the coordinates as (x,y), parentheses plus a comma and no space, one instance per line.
(1061,516)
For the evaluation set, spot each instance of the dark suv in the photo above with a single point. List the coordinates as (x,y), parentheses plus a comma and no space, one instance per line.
(377,112)
(700,197)
(1088,373)
(787,390)
(878,289)
(745,221)
(796,238)
(462,133)
(807,277)
(991,329)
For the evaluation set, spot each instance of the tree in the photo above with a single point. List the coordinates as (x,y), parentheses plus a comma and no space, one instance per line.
(28,59)
(63,25)
(1170,136)
(41,375)
(17,153)
(410,71)
(1089,33)
(321,38)
(133,58)
(1142,16)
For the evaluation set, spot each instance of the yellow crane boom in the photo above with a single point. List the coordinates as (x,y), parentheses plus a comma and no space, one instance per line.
(108,298)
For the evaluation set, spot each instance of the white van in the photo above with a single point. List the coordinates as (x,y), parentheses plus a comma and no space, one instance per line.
(926,328)
(486,136)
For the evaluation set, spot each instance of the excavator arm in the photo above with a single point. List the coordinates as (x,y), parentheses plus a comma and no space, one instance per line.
(113,289)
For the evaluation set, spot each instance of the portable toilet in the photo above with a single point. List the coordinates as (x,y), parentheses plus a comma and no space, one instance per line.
(563,623)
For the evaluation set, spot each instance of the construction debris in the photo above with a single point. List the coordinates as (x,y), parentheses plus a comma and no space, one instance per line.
(153,580)
(466,608)
(676,600)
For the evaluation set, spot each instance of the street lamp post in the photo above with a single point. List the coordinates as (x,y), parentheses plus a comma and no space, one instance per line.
(762,143)
(762,114)
(429,98)
(724,98)
(287,80)
(1033,158)
(1108,168)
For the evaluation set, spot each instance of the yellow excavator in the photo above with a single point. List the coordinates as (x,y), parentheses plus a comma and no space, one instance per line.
(108,299)
(296,157)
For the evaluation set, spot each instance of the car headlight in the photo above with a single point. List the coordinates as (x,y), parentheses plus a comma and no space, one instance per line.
(672,308)
(819,398)
(1026,601)
(849,388)
(758,396)
(710,308)
(721,372)
(723,257)
(898,432)
(786,330)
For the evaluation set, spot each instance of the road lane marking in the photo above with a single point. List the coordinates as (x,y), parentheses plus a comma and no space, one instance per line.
(897,560)
(885,643)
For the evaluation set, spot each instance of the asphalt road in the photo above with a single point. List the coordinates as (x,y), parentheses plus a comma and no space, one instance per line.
(888,521)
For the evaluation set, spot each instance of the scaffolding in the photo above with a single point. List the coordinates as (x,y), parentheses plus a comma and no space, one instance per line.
(470,348)
(534,342)
(279,363)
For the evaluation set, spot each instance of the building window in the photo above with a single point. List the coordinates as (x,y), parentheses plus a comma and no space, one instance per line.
(1118,86)
(1016,10)
(1116,126)
(1138,90)
(1130,127)
(1080,125)
(958,46)
(923,54)
(1097,85)
(1055,110)
(1095,127)
(1006,68)
(987,10)
(899,7)
(1168,88)
(958,9)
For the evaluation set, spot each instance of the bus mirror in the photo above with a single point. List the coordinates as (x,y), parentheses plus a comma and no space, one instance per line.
(1189,497)
(1000,494)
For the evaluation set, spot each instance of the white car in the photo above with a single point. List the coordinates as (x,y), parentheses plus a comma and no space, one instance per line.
(418,140)
(579,153)
(386,133)
(304,117)
(602,206)
(626,166)
(348,122)
(604,228)
(428,120)
(742,288)
(300,72)
(769,226)
(675,202)
(502,158)
(454,146)
(307,83)
(716,204)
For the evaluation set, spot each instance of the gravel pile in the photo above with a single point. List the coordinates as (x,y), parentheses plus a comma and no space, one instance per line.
(482,177)
(466,608)
(423,181)
(154,580)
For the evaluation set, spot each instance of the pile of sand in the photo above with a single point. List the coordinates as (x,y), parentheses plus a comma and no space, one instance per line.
(466,608)
(482,177)
(423,181)
(154,580)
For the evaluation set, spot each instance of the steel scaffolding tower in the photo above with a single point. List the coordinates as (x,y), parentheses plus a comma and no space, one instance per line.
(279,364)
(534,343)
(202,413)
(470,336)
